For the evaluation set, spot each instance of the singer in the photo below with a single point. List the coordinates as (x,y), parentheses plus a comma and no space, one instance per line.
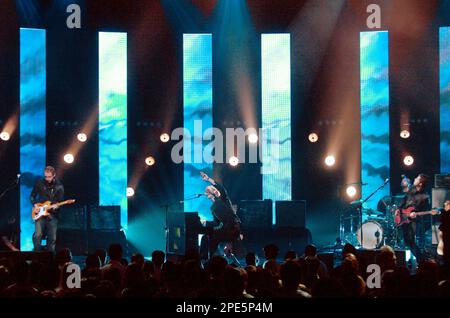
(226,224)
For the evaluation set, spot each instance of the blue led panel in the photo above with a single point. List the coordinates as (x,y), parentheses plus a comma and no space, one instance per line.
(197,106)
(444,85)
(374,68)
(113,121)
(276,115)
(32,124)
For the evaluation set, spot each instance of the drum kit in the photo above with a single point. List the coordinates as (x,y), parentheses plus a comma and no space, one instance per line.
(377,228)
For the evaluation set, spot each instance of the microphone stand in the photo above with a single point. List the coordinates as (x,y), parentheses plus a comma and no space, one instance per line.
(10,187)
(360,209)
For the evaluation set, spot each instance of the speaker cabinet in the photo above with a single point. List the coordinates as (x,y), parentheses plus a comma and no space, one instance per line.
(255,214)
(442,181)
(73,218)
(183,231)
(439,196)
(104,218)
(75,240)
(103,239)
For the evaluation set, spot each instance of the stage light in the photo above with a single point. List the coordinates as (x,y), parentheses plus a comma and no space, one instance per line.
(351,191)
(233,161)
(408,160)
(253,138)
(405,134)
(4,135)
(69,158)
(164,137)
(82,137)
(149,161)
(130,192)
(330,161)
(313,137)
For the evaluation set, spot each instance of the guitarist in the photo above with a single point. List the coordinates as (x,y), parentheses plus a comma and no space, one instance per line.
(417,198)
(47,189)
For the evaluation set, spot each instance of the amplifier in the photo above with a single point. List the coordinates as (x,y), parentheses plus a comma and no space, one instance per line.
(442,181)
(104,217)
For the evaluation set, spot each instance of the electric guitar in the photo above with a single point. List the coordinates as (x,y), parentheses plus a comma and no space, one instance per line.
(405,216)
(41,209)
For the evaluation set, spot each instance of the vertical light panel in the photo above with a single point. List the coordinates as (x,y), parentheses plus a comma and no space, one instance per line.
(197,106)
(444,84)
(276,115)
(113,121)
(374,77)
(32,124)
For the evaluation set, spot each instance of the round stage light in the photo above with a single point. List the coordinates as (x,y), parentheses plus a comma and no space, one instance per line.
(405,134)
(149,161)
(253,138)
(233,161)
(130,192)
(4,135)
(330,161)
(313,137)
(164,137)
(408,160)
(69,158)
(82,137)
(351,191)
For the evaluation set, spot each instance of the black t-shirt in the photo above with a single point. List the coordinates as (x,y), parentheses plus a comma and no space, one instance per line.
(420,200)
(44,191)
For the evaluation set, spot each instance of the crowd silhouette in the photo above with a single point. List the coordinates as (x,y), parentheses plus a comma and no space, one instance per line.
(107,274)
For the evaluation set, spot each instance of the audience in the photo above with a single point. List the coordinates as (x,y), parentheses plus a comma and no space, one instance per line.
(188,277)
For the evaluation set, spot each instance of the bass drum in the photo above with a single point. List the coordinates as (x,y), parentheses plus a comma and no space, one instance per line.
(372,234)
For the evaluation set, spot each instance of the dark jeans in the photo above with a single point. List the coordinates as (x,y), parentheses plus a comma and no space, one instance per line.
(409,237)
(47,226)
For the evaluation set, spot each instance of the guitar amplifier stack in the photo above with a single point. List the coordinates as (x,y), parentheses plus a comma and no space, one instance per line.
(441,190)
(83,229)
(289,231)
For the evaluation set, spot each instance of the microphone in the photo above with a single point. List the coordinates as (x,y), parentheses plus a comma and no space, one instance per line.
(386,181)
(18,176)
